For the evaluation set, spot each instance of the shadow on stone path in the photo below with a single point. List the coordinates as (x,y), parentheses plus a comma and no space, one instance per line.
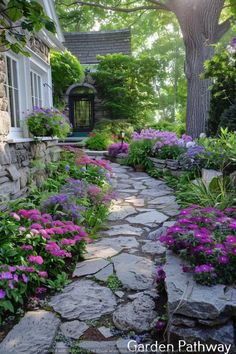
(124,259)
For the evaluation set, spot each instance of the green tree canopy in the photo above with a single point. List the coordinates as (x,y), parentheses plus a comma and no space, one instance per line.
(66,70)
(125,85)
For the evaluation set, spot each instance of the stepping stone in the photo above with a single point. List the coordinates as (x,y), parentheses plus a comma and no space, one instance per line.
(120,212)
(83,300)
(154,248)
(74,329)
(137,202)
(130,191)
(123,230)
(105,331)
(120,242)
(164,200)
(172,212)
(169,223)
(137,315)
(120,294)
(147,218)
(34,333)
(61,348)
(90,266)
(152,183)
(160,193)
(105,273)
(109,247)
(123,346)
(134,272)
(108,347)
(98,250)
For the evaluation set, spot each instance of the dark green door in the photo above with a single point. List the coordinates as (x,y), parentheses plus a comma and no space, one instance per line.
(82,114)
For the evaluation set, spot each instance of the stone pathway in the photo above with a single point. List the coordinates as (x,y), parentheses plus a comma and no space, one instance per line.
(124,260)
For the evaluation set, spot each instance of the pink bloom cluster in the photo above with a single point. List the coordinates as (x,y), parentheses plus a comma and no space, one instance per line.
(206,237)
(86,160)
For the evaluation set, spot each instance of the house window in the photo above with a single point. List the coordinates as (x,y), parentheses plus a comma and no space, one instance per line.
(36,89)
(12,91)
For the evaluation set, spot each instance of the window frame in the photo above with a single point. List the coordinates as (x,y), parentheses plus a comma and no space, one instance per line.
(36,87)
(14,129)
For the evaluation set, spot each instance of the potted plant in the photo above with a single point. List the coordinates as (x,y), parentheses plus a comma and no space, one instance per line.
(48,122)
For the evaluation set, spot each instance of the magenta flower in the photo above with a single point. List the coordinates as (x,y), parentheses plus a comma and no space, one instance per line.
(15,216)
(40,290)
(160,325)
(35,259)
(66,241)
(223,259)
(26,247)
(43,274)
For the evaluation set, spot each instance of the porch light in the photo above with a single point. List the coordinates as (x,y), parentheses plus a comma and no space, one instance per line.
(122,137)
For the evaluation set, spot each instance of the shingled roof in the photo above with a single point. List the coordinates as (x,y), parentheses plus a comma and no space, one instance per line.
(86,45)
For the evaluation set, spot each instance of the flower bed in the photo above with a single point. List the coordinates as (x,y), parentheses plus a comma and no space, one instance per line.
(206,239)
(50,227)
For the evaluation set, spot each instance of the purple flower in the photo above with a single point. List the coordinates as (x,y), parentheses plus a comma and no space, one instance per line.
(160,325)
(25,278)
(223,260)
(2,294)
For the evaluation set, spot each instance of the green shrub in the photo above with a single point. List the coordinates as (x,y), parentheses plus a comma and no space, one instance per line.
(115,126)
(66,70)
(228,118)
(222,69)
(139,152)
(99,140)
(220,193)
(125,86)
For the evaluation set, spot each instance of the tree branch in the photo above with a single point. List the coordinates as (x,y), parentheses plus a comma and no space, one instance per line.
(157,6)
(223,28)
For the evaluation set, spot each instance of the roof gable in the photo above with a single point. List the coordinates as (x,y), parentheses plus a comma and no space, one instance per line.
(87,45)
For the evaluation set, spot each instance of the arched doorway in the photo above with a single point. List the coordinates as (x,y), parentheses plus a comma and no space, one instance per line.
(80,98)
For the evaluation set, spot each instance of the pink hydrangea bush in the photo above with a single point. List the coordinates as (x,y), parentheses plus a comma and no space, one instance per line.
(206,239)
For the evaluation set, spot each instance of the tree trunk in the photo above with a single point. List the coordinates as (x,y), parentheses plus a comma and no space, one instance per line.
(199,22)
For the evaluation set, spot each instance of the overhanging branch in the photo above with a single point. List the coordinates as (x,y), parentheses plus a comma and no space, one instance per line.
(156,6)
(223,28)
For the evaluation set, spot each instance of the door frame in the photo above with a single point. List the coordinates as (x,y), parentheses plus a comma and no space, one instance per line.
(72,99)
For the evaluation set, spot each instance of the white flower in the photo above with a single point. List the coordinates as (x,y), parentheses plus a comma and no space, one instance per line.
(190,144)
(202,135)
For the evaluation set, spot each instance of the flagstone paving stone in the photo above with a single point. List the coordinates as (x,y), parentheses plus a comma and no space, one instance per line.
(74,329)
(118,212)
(147,218)
(134,272)
(83,300)
(33,334)
(90,266)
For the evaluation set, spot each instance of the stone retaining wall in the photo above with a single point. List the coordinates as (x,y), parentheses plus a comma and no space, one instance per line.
(22,163)
(197,312)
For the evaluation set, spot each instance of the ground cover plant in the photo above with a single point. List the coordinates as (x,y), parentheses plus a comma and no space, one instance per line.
(206,239)
(44,235)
